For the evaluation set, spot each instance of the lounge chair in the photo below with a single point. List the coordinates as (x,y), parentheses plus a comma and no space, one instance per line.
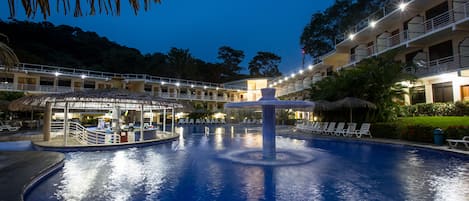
(349,131)
(330,129)
(364,130)
(322,128)
(454,143)
(340,129)
(8,127)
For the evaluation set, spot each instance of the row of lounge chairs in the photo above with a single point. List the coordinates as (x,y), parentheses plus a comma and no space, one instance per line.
(201,121)
(8,127)
(330,128)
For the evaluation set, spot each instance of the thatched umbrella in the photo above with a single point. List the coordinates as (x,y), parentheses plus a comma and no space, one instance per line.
(352,102)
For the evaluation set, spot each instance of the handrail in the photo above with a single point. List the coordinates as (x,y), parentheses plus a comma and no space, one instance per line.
(84,135)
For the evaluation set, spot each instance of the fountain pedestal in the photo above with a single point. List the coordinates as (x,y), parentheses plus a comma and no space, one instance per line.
(268,132)
(269,103)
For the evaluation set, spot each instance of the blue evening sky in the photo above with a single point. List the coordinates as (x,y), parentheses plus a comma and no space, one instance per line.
(203,26)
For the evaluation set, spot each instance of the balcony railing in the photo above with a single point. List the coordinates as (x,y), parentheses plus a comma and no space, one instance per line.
(442,65)
(439,21)
(82,73)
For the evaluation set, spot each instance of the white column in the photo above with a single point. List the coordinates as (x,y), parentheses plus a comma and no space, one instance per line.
(172,120)
(428,92)
(65,123)
(164,120)
(141,123)
(151,115)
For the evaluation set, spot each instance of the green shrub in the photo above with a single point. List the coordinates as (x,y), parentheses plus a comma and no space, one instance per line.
(456,132)
(435,109)
(385,130)
(418,133)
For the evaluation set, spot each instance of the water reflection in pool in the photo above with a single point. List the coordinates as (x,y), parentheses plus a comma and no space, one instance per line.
(192,169)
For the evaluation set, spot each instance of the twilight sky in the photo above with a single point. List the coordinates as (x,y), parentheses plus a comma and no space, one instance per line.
(203,26)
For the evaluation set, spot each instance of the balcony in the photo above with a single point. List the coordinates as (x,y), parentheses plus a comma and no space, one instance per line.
(443,65)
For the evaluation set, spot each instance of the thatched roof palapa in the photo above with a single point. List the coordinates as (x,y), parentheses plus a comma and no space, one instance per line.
(89,99)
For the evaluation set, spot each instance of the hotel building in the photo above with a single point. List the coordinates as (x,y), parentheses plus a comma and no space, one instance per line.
(432,34)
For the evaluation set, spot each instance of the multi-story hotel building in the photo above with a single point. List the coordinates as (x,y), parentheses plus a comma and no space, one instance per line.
(433,34)
(38,79)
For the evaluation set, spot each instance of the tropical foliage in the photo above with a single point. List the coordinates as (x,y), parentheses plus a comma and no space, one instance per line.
(7,57)
(374,79)
(320,33)
(31,7)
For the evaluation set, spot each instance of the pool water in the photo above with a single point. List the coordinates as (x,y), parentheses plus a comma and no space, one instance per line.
(192,169)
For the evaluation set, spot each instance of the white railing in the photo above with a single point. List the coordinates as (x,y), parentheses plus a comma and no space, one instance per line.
(439,21)
(446,64)
(84,135)
(76,72)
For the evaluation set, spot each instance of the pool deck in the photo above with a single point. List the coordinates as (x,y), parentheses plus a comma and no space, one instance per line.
(21,170)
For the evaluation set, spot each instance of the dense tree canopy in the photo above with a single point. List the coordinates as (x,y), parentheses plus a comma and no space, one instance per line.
(44,43)
(231,59)
(319,34)
(265,64)
(374,79)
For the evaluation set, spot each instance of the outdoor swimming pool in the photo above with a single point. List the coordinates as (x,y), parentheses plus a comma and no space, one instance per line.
(193,169)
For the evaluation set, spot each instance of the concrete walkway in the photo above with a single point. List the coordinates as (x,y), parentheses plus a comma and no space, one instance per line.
(291,132)
(18,170)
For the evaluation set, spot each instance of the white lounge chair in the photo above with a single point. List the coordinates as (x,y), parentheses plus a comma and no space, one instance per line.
(454,143)
(322,128)
(8,127)
(364,130)
(330,129)
(340,128)
(349,131)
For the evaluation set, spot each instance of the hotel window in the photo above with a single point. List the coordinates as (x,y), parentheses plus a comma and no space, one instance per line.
(370,48)
(437,11)
(465,93)
(147,88)
(6,77)
(329,71)
(46,81)
(441,50)
(395,37)
(353,56)
(89,84)
(64,83)
(417,95)
(443,92)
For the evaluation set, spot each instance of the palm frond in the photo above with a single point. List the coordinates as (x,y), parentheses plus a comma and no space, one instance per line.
(112,7)
(8,58)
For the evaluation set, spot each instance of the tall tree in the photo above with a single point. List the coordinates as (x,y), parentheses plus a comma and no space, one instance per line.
(181,62)
(104,6)
(320,34)
(231,59)
(265,64)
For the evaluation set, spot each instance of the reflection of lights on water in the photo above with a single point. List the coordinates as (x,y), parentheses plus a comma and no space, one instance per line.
(78,177)
(219,142)
(126,175)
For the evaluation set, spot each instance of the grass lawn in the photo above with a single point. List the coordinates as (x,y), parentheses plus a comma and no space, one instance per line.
(437,121)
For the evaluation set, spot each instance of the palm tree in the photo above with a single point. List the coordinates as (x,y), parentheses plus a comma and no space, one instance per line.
(111,7)
(7,57)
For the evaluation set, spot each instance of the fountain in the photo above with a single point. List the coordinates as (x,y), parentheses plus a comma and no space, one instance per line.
(269,103)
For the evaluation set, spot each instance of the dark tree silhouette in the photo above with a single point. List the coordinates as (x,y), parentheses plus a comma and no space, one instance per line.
(231,58)
(265,64)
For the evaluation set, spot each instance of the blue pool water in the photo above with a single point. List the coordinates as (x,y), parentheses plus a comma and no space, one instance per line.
(192,169)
